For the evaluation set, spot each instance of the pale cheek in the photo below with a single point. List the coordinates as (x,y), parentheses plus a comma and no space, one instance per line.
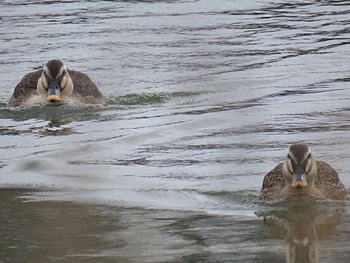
(287,172)
(66,86)
(308,166)
(290,167)
(63,82)
(42,85)
(44,82)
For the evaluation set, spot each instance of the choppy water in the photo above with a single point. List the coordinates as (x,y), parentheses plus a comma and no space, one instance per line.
(204,97)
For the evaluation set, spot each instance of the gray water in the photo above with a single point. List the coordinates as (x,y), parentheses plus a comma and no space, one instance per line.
(204,98)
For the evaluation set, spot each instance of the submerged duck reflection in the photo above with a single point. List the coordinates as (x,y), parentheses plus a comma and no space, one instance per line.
(302,224)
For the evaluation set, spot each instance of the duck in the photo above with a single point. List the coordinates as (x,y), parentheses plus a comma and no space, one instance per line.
(55,83)
(301,175)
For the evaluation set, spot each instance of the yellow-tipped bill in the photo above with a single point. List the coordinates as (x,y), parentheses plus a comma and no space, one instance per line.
(299,178)
(53,98)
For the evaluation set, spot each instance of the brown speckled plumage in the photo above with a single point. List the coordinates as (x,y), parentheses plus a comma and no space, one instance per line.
(25,88)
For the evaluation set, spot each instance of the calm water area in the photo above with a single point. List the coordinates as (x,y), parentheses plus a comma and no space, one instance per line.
(203,99)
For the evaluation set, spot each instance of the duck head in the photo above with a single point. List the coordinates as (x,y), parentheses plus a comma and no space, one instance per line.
(299,168)
(55,81)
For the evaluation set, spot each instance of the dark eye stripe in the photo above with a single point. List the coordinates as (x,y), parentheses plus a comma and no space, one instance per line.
(42,83)
(292,161)
(62,88)
(65,73)
(306,160)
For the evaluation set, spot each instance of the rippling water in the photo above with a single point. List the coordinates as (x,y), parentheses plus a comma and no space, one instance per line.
(204,97)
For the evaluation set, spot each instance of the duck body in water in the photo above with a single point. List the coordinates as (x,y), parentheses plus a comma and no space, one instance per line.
(55,83)
(299,175)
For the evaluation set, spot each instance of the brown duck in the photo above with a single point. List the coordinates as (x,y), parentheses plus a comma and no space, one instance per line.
(300,174)
(55,82)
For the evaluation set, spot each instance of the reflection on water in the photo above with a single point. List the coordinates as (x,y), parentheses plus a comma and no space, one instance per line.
(57,127)
(71,232)
(50,232)
(302,224)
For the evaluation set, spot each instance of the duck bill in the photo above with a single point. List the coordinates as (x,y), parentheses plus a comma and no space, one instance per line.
(53,91)
(299,178)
